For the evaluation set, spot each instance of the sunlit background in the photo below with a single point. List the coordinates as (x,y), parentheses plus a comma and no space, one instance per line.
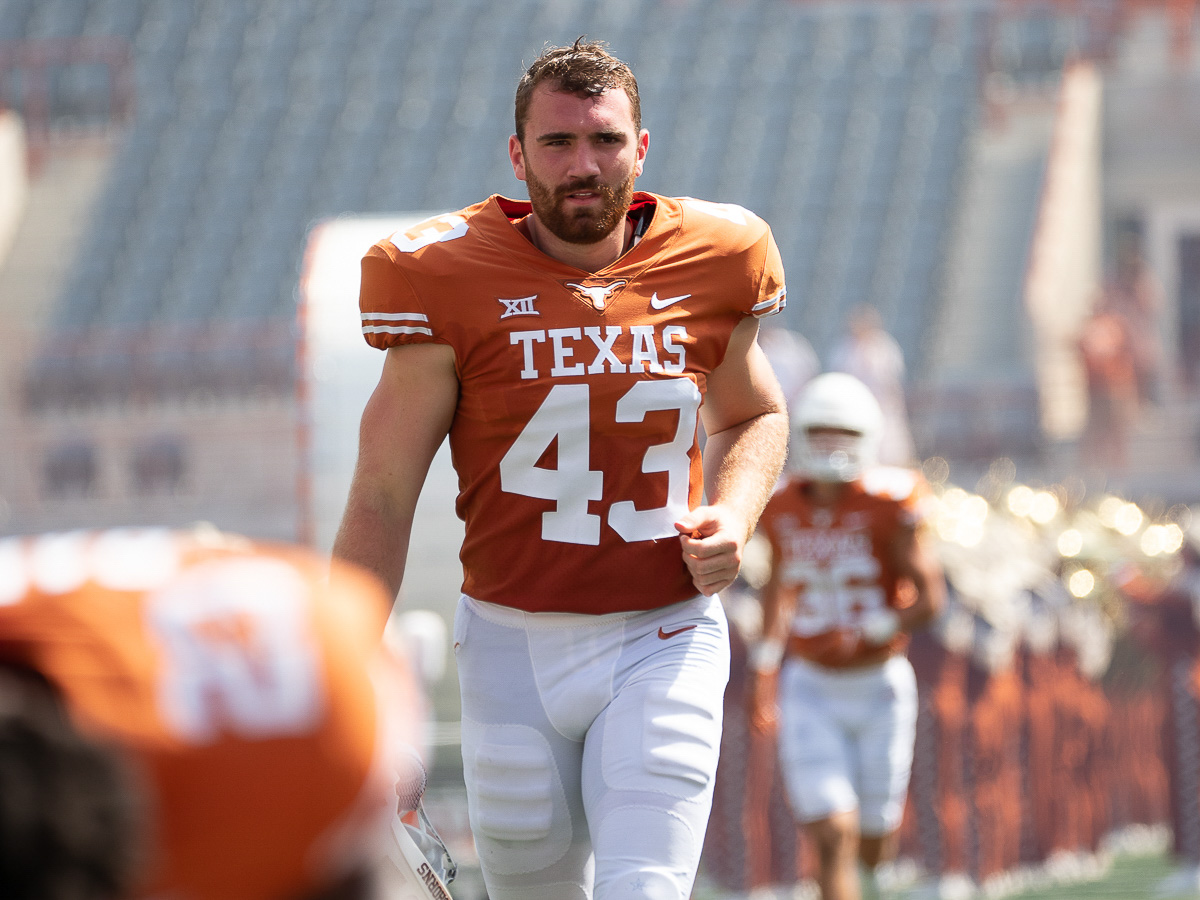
(186,187)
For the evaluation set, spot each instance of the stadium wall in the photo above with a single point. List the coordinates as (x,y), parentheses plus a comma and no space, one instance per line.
(1152,188)
(14,177)
(230,462)
(1065,264)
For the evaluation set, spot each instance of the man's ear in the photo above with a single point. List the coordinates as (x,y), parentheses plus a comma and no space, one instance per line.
(643,144)
(516,155)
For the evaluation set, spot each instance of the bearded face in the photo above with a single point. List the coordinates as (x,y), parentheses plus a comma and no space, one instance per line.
(556,209)
(578,156)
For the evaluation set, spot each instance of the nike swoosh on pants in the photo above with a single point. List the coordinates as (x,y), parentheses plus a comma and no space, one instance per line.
(664,635)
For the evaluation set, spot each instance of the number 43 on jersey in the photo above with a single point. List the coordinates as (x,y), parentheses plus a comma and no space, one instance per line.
(565,417)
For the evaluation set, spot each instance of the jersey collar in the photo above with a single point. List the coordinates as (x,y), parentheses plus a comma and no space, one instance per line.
(655,218)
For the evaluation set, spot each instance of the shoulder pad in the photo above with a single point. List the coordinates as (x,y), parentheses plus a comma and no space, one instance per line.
(892,482)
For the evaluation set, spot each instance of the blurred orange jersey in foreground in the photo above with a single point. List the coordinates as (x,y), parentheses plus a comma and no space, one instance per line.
(255,702)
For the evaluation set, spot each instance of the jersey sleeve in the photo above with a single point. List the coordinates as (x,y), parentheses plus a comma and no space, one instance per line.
(772,292)
(734,234)
(392,312)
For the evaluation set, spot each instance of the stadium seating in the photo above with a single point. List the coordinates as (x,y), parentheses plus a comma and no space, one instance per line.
(844,125)
(847,125)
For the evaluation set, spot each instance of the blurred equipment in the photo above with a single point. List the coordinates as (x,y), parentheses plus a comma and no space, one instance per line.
(418,867)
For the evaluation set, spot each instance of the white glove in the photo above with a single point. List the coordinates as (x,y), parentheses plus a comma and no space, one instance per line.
(878,626)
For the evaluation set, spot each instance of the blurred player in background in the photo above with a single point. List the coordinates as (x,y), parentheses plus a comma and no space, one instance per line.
(189,715)
(1110,367)
(874,357)
(850,578)
(792,359)
(565,345)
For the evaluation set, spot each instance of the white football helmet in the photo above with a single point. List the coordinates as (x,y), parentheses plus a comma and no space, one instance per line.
(841,401)
(417,866)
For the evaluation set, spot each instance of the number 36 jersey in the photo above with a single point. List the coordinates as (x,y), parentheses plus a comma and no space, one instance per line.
(837,561)
(575,437)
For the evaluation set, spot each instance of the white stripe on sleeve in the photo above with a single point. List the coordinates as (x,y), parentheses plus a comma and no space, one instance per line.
(772,305)
(394,317)
(397,329)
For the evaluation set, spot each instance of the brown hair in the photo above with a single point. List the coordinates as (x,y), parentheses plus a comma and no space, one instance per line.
(586,67)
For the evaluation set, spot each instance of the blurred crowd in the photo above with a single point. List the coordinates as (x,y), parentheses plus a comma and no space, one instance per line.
(1121,353)
(1059,699)
(1059,689)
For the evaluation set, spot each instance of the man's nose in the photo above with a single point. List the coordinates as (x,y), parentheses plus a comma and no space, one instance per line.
(585,162)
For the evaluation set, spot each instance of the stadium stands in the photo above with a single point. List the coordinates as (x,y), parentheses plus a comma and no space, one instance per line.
(847,125)
(163,389)
(842,124)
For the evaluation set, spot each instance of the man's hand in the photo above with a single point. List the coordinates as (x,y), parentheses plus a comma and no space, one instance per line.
(712,539)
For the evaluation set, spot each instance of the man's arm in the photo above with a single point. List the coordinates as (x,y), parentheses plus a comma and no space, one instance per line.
(745,417)
(915,561)
(778,609)
(404,423)
(766,654)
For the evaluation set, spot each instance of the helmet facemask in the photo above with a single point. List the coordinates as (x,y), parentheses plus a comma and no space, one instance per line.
(831,454)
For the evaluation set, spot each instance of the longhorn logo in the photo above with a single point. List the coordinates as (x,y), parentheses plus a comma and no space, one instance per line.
(597,294)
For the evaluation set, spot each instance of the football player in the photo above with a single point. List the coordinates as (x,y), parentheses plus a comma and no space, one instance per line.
(571,346)
(850,578)
(194,716)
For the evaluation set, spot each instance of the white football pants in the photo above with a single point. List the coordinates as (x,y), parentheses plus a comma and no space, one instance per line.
(846,740)
(590,746)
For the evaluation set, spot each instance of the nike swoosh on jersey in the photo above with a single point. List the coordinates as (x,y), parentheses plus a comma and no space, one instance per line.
(664,635)
(665,301)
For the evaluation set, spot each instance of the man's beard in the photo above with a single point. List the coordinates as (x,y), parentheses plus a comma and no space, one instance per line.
(583,226)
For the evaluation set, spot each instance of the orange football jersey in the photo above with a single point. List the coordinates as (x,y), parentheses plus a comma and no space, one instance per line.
(257,706)
(575,437)
(835,561)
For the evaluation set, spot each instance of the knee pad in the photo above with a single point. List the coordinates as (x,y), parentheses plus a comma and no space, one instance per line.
(518,805)
(648,852)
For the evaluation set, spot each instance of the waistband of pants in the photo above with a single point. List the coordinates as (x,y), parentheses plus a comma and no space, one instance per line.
(519,618)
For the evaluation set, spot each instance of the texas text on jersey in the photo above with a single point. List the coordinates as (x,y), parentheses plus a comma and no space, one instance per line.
(835,561)
(566,377)
(255,702)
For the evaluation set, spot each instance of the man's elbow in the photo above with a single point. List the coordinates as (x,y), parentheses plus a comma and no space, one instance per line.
(766,422)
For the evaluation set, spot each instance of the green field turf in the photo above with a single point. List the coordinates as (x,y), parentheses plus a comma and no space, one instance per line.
(1129,878)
